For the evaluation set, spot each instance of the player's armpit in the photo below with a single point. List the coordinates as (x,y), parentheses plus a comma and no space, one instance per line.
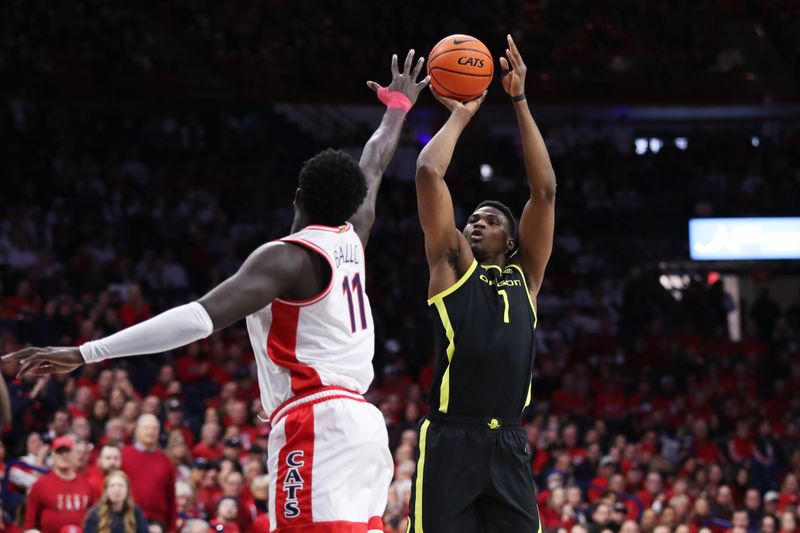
(268,272)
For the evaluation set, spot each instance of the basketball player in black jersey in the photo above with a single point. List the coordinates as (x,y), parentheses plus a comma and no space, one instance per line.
(474,473)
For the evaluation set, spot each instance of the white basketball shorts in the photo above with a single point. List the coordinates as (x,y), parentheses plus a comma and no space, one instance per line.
(329,464)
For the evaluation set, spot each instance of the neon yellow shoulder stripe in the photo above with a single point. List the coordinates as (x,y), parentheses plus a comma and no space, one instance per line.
(528,292)
(456,285)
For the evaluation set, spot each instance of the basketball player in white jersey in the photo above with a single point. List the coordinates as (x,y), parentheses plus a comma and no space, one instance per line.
(311,329)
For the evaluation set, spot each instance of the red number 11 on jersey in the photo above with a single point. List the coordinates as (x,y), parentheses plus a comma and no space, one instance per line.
(359,290)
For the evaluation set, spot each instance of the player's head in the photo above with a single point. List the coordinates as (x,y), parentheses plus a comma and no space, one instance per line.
(331,188)
(491,231)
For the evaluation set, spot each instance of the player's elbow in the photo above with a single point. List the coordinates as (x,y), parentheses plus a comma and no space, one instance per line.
(544,193)
(427,170)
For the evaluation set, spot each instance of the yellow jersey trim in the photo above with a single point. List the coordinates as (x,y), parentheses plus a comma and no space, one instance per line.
(528,292)
(423,433)
(456,285)
(528,398)
(492,266)
(444,388)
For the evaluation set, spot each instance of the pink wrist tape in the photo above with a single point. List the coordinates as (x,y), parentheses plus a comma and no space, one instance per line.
(394,99)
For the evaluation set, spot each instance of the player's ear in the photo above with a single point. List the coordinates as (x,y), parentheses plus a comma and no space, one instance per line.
(297,197)
(510,243)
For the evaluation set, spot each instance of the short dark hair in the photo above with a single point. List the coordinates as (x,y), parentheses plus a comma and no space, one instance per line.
(512,221)
(332,187)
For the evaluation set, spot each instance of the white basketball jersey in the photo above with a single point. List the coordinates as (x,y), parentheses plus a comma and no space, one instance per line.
(326,340)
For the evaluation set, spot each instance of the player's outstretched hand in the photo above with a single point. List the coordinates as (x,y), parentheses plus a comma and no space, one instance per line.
(512,70)
(36,362)
(463,109)
(406,81)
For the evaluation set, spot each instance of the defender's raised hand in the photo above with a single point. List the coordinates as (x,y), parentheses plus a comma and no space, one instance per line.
(405,82)
(513,70)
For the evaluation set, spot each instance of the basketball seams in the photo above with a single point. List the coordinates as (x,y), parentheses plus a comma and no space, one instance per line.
(443,86)
(463,73)
(432,58)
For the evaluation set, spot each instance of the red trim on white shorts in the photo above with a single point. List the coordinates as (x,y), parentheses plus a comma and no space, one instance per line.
(293,504)
(312,397)
(338,526)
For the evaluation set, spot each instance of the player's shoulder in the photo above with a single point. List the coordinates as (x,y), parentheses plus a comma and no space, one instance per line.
(279,252)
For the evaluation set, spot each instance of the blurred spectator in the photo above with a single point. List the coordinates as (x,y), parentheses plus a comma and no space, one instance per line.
(226,516)
(154,493)
(196,526)
(258,504)
(186,510)
(109,459)
(116,512)
(60,498)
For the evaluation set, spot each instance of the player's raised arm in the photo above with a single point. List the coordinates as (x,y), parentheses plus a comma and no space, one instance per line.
(537,223)
(267,273)
(448,252)
(399,97)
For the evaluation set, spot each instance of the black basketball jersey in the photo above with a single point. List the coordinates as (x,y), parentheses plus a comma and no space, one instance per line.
(483,331)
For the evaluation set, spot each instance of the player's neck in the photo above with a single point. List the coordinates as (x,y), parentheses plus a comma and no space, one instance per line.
(497,261)
(300,221)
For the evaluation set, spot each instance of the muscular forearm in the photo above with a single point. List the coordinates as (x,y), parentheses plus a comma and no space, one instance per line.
(436,156)
(541,177)
(379,150)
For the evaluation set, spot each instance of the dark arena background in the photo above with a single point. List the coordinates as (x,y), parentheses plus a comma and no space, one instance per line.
(146,148)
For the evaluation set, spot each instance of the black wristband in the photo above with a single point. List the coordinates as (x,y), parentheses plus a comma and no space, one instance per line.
(518,98)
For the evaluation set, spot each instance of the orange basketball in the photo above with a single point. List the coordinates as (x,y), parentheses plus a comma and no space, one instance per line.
(460,67)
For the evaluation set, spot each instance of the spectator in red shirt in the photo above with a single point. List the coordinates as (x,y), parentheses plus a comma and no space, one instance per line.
(789,497)
(237,417)
(653,489)
(258,504)
(225,520)
(208,448)
(155,492)
(702,448)
(81,406)
(569,436)
(740,447)
(209,492)
(110,459)
(174,409)
(166,375)
(135,309)
(24,304)
(611,405)
(233,487)
(60,498)
(599,485)
(192,367)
